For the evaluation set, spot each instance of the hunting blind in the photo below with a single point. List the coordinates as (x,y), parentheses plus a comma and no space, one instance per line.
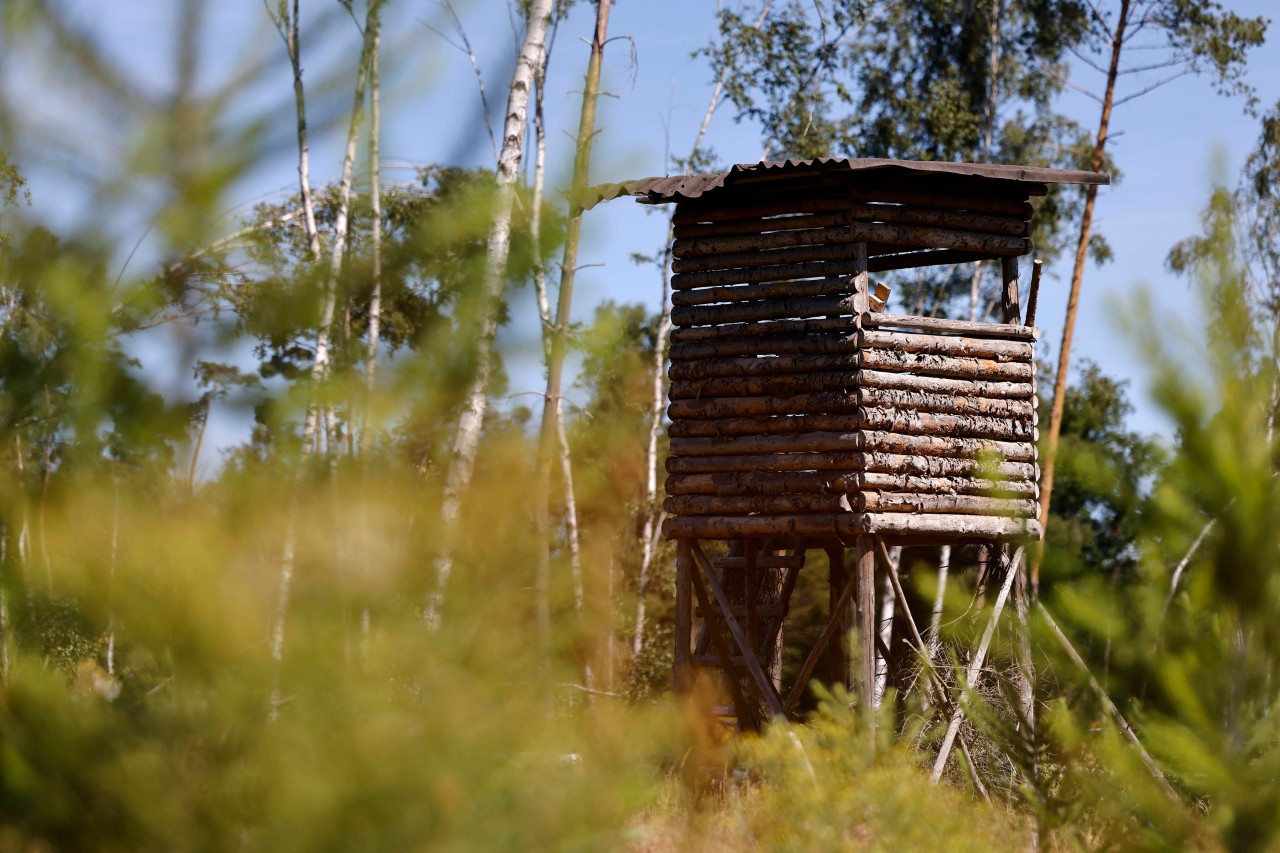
(805,417)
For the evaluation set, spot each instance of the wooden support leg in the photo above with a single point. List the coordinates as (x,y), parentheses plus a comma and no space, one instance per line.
(837,578)
(867,629)
(684,617)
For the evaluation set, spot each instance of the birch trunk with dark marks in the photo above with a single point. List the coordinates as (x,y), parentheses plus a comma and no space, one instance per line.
(466,439)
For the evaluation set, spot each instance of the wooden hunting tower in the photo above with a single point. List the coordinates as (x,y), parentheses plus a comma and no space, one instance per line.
(803,417)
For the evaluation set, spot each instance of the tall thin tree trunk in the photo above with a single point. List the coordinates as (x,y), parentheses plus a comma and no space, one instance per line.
(1077,278)
(375,203)
(467,436)
(564,302)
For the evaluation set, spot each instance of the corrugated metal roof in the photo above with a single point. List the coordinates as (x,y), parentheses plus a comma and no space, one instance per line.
(684,187)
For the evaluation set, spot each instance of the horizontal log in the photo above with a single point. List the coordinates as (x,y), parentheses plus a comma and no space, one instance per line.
(959,327)
(752,386)
(763,345)
(977,202)
(1021,390)
(999,349)
(823,526)
(829,483)
(825,402)
(953,403)
(941,503)
(900,260)
(771,309)
(773,366)
(762,426)
(777,283)
(705,210)
(760,483)
(932,423)
(911,214)
(960,526)
(815,326)
(955,367)
(897,482)
(775,462)
(841,462)
(754,504)
(865,439)
(791,255)
(876,441)
(915,236)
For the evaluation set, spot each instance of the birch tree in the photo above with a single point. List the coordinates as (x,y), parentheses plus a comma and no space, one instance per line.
(467,436)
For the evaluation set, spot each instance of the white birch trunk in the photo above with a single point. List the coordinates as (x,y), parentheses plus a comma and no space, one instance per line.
(467,436)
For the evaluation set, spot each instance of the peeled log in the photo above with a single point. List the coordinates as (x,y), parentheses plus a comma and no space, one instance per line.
(956,404)
(776,366)
(760,483)
(779,283)
(959,327)
(889,463)
(966,345)
(960,526)
(1009,226)
(834,526)
(688,213)
(870,440)
(912,236)
(1018,390)
(947,366)
(793,255)
(899,464)
(769,309)
(839,325)
(754,504)
(934,445)
(761,426)
(764,462)
(897,482)
(764,345)
(938,503)
(954,426)
(755,386)
(829,402)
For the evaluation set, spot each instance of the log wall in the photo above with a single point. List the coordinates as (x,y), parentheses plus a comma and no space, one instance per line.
(793,411)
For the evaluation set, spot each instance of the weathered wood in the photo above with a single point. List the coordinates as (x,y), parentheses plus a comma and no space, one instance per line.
(956,367)
(977,202)
(1009,297)
(878,441)
(831,483)
(1037,267)
(747,717)
(865,439)
(1015,390)
(929,466)
(831,402)
(813,326)
(708,210)
(916,236)
(684,285)
(754,504)
(761,426)
(828,526)
(752,386)
(780,462)
(896,482)
(769,309)
(793,255)
(958,327)
(931,423)
(867,630)
(684,619)
(961,526)
(763,344)
(935,503)
(777,366)
(954,404)
(998,349)
(779,283)
(903,260)
(905,214)
(863,291)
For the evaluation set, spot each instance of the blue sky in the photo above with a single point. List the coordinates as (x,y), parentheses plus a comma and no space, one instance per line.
(72,141)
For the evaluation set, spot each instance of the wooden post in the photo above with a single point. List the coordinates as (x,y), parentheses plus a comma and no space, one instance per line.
(865,616)
(861,280)
(1010,308)
(837,577)
(684,616)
